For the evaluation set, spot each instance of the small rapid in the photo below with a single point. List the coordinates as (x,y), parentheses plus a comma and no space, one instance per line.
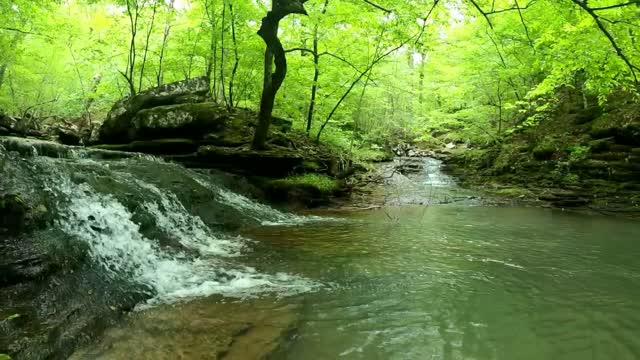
(166,230)
(421,181)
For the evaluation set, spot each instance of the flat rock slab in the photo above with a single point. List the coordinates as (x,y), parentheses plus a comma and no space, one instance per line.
(202,329)
(33,147)
(274,162)
(154,147)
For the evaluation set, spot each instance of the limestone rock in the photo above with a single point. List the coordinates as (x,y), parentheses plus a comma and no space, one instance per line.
(184,120)
(118,120)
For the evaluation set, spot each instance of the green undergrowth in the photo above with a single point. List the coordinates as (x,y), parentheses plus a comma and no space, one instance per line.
(324,183)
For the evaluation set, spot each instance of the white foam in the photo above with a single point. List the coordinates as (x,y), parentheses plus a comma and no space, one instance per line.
(116,244)
(264,214)
(190,230)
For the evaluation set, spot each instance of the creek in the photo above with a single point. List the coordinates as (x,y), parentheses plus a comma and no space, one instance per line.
(222,275)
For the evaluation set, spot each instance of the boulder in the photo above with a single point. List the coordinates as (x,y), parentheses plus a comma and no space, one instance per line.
(164,130)
(184,120)
(115,127)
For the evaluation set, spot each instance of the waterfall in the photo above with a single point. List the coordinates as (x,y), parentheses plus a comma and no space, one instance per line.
(434,175)
(96,203)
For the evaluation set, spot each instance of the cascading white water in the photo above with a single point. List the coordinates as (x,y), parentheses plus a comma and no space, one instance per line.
(435,177)
(117,244)
(174,219)
(266,215)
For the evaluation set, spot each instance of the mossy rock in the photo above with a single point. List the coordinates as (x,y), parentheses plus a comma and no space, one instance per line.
(183,120)
(587,115)
(625,135)
(309,189)
(601,145)
(119,118)
(610,156)
(543,152)
(514,192)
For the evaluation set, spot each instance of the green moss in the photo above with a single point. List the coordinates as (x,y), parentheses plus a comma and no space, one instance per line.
(578,153)
(514,192)
(323,183)
(544,151)
(571,179)
(311,165)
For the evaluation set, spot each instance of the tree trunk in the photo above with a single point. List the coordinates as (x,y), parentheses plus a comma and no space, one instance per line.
(272,81)
(222,52)
(316,72)
(421,77)
(133,11)
(165,38)
(146,46)
(3,69)
(274,53)
(236,57)
(212,63)
(316,76)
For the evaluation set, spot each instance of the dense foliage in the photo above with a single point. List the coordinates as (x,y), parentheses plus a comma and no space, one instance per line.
(475,70)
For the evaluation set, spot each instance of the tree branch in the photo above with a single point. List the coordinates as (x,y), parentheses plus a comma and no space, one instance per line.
(632,2)
(424,21)
(486,15)
(524,25)
(23,31)
(606,33)
(388,11)
(514,8)
(338,57)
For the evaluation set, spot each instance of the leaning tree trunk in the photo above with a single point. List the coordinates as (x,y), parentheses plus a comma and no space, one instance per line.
(273,54)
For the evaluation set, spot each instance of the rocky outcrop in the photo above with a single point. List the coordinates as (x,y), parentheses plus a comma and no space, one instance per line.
(67,132)
(277,161)
(576,158)
(207,135)
(118,122)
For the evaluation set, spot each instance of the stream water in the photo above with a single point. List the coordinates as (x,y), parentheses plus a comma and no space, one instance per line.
(448,281)
(454,282)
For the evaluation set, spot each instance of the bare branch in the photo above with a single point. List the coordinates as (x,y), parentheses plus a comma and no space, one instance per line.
(606,33)
(388,11)
(524,25)
(338,57)
(613,22)
(632,2)
(23,31)
(515,8)
(486,15)
(299,49)
(426,18)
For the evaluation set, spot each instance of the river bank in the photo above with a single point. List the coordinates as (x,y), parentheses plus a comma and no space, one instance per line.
(575,157)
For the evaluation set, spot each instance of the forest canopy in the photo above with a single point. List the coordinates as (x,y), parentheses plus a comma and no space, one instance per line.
(355,67)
